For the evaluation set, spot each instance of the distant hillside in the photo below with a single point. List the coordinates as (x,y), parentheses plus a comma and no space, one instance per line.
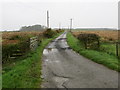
(33,28)
(95,29)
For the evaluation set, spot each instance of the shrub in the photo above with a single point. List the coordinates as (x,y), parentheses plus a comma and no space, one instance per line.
(58,31)
(24,46)
(9,49)
(49,33)
(15,37)
(91,41)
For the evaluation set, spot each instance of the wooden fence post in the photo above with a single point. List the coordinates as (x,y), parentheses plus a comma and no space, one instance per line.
(117,49)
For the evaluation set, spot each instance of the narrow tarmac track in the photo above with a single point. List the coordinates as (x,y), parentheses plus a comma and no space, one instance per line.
(63,68)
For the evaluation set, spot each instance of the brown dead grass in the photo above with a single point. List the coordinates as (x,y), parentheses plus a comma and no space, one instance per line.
(7,35)
(105,35)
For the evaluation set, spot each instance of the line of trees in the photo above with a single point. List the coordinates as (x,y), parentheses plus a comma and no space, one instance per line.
(33,28)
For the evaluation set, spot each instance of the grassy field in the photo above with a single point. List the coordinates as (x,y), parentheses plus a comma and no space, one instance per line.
(25,73)
(100,57)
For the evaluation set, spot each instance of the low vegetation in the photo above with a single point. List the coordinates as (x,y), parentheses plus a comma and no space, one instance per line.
(91,41)
(25,72)
(49,33)
(99,56)
(16,43)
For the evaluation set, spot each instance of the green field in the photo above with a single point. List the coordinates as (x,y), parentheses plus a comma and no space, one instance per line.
(101,57)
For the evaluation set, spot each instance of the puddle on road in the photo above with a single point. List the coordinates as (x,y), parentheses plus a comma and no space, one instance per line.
(65,48)
(49,61)
(62,38)
(54,50)
(49,50)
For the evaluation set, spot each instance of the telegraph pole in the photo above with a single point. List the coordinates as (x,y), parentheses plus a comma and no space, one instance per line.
(59,26)
(47,19)
(70,24)
(68,28)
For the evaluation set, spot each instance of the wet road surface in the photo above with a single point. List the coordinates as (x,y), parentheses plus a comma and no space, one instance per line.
(63,68)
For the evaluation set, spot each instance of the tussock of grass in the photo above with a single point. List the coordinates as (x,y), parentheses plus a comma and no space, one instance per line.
(100,57)
(26,73)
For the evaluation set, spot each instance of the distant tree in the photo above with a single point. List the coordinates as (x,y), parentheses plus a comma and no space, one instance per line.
(33,28)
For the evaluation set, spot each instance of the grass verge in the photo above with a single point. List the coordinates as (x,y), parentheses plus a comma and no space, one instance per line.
(100,57)
(26,73)
(109,48)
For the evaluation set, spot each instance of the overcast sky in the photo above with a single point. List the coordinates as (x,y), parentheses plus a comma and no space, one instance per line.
(85,13)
